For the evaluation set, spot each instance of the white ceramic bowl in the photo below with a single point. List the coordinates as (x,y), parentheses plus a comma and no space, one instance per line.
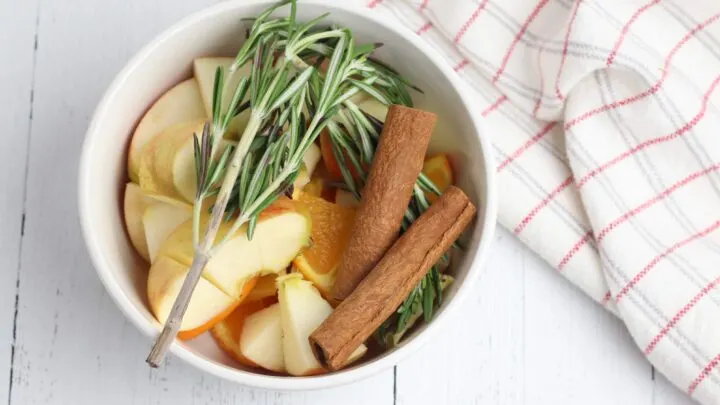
(218,31)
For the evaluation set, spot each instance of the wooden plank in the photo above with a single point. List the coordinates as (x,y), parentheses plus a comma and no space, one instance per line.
(17,36)
(74,346)
(575,351)
(527,337)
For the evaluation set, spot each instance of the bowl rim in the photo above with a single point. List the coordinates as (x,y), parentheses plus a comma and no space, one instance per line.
(118,295)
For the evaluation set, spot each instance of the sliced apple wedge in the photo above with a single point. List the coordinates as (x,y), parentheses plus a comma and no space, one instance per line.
(310,160)
(208,304)
(302,310)
(159,221)
(204,69)
(279,236)
(167,164)
(134,207)
(228,331)
(375,108)
(261,339)
(283,229)
(181,103)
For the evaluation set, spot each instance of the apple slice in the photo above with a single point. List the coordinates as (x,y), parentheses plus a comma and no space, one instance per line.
(282,230)
(135,204)
(134,207)
(179,104)
(375,108)
(310,160)
(208,304)
(205,69)
(167,163)
(302,310)
(159,221)
(261,339)
(346,198)
(228,331)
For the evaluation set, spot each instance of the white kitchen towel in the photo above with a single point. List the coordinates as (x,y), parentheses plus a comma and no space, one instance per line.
(605,125)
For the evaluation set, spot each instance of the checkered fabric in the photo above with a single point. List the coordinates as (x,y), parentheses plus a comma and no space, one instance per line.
(605,126)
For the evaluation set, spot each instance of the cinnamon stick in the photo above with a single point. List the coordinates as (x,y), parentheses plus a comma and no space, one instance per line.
(390,282)
(396,165)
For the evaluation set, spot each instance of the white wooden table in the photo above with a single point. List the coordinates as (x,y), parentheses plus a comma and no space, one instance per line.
(527,337)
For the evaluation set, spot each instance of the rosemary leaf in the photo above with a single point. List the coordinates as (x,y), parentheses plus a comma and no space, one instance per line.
(256,180)
(259,143)
(217,94)
(427,184)
(363,50)
(244,179)
(252,223)
(371,91)
(437,283)
(305,27)
(199,172)
(256,74)
(296,85)
(346,174)
(238,95)
(217,169)
(428,299)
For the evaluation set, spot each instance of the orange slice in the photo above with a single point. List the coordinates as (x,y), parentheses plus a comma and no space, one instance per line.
(264,288)
(331,229)
(439,170)
(227,332)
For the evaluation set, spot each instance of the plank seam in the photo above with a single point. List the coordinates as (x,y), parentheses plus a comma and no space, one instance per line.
(394,385)
(24,201)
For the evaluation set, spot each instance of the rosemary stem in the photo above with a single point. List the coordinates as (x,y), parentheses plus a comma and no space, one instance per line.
(232,173)
(203,250)
(272,188)
(197,211)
